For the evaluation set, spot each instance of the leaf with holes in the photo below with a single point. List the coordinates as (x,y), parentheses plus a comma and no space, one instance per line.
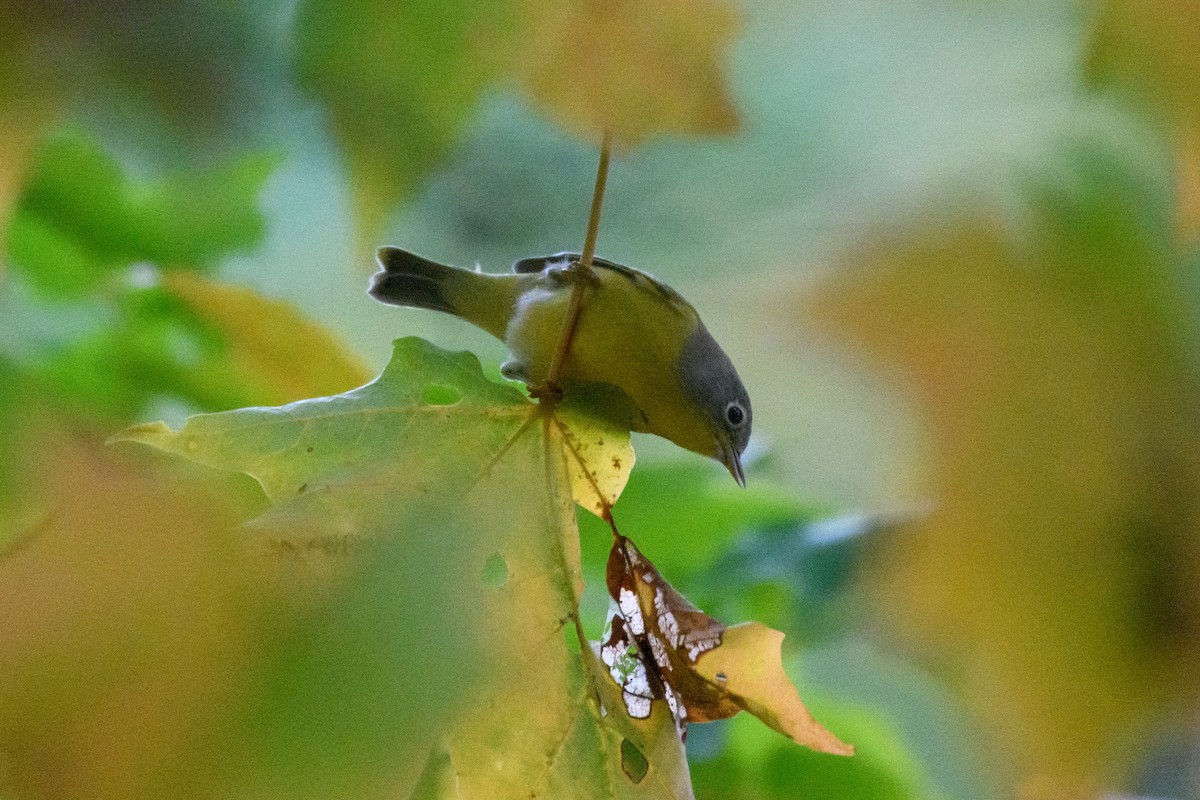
(433,456)
(659,647)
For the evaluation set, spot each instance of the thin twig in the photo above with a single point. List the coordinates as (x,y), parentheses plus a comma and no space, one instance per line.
(583,274)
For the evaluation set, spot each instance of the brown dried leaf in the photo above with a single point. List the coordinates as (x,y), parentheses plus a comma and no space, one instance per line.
(661,647)
(635,69)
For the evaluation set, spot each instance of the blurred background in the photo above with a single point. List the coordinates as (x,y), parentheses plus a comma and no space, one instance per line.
(952,248)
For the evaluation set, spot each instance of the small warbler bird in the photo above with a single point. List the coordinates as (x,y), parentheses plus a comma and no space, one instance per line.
(634,333)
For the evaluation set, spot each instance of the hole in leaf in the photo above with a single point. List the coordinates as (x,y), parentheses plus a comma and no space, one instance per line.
(571,637)
(633,762)
(495,570)
(436,394)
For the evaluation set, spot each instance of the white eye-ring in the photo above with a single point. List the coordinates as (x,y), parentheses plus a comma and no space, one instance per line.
(735,415)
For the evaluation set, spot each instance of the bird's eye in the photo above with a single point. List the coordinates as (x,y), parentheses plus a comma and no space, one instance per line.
(735,414)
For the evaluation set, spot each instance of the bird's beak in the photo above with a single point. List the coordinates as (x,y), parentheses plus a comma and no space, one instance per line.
(732,460)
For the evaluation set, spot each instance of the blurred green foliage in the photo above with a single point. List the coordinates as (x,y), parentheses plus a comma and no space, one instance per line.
(752,765)
(363,57)
(953,252)
(80,218)
(89,243)
(662,499)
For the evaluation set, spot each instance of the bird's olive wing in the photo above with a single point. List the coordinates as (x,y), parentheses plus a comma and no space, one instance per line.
(645,281)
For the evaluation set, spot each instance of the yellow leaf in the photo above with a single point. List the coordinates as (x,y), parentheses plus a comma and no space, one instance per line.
(635,69)
(1052,570)
(599,462)
(128,628)
(749,666)
(536,728)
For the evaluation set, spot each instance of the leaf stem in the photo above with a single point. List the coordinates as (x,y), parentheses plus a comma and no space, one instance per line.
(583,273)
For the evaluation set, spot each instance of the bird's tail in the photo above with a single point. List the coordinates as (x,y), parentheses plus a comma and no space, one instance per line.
(409,280)
(479,298)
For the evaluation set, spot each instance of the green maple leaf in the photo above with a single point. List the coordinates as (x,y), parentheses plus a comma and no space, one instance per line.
(431,454)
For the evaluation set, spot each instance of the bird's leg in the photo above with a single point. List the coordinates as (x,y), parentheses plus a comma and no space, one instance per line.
(570,274)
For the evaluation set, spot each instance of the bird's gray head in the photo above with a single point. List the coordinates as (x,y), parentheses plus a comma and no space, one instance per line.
(711,382)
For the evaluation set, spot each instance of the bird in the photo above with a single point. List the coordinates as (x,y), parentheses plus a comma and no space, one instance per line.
(634,333)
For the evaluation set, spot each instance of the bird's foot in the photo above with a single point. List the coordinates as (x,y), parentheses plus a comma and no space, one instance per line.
(569,273)
(550,393)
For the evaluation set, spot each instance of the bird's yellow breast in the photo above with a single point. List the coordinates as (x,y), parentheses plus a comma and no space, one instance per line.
(630,335)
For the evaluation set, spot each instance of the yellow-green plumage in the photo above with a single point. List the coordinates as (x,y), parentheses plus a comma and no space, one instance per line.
(634,333)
